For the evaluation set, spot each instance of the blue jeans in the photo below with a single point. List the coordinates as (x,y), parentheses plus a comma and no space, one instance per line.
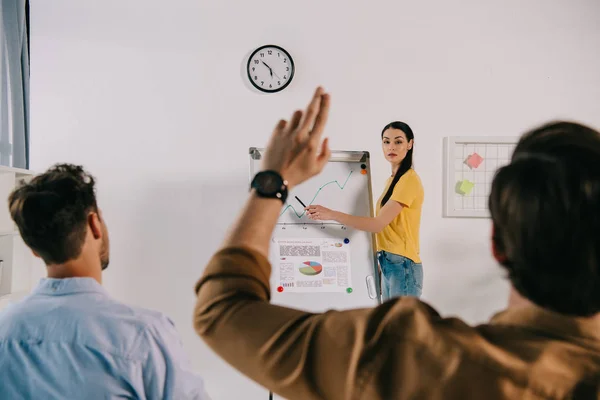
(401,276)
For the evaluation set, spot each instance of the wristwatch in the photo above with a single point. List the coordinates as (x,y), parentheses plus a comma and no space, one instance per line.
(271,185)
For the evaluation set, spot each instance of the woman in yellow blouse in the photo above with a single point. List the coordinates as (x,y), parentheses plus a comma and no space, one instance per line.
(398,217)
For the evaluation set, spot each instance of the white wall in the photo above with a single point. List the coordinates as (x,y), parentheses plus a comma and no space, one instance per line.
(148,95)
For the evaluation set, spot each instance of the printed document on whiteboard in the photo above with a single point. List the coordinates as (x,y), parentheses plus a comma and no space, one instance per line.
(311,265)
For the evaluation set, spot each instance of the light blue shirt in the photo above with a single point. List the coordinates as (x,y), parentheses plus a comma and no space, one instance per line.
(70,340)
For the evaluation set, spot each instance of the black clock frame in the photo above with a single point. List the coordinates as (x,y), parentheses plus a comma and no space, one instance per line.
(286,84)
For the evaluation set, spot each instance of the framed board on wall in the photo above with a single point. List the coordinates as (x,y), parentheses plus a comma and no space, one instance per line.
(470,163)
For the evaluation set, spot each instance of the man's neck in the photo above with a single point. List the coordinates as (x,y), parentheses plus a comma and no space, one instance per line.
(515,301)
(74,270)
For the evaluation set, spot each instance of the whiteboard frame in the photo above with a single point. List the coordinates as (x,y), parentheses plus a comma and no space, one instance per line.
(450,143)
(256,153)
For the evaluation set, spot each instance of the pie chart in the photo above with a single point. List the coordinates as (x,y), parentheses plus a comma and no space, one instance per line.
(312,268)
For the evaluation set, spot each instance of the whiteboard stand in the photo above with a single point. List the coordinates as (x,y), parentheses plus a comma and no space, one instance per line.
(339,270)
(495,151)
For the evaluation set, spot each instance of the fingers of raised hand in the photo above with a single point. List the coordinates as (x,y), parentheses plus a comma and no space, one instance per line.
(312,110)
(280,127)
(321,118)
(324,156)
(304,130)
(294,122)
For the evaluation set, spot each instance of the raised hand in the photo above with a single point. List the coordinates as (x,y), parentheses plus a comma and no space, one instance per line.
(295,149)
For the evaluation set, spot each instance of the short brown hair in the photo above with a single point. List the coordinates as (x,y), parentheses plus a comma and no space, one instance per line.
(51,212)
(545,208)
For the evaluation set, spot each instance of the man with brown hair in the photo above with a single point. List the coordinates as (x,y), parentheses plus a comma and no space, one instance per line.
(69,339)
(545,208)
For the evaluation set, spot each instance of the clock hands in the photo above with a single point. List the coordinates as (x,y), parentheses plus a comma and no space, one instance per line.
(270,69)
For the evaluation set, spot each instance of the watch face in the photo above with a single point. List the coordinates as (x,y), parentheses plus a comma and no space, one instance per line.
(268,183)
(270,68)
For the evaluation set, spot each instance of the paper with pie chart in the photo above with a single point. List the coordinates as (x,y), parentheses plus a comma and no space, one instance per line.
(311,265)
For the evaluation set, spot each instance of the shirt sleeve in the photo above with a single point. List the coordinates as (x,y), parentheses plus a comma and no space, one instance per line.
(294,353)
(407,189)
(167,372)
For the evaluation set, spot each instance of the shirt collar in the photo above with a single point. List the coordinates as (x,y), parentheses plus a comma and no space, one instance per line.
(57,287)
(554,324)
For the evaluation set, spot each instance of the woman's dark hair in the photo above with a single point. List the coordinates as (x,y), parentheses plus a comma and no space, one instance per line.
(545,209)
(406,164)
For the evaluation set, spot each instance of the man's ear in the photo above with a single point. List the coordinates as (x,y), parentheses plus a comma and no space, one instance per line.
(95,225)
(35,254)
(498,255)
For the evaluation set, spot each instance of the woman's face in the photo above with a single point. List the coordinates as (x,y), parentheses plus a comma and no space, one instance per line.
(395,145)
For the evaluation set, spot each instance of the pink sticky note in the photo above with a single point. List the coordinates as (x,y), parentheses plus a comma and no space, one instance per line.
(474,160)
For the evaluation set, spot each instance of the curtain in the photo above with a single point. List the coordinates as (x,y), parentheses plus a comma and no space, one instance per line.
(14,83)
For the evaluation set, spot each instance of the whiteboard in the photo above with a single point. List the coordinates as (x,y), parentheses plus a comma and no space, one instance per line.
(469,168)
(321,265)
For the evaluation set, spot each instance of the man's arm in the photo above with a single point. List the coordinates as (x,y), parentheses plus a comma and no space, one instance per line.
(296,354)
(301,355)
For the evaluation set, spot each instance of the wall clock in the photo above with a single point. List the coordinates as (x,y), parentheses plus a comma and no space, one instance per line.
(270,68)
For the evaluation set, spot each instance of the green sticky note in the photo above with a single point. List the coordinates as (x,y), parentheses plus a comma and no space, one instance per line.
(465,187)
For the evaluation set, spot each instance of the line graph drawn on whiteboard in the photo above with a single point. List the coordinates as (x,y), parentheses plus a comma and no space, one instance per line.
(299,215)
(343,185)
(336,187)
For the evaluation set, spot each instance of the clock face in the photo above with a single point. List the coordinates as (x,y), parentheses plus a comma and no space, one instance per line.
(270,68)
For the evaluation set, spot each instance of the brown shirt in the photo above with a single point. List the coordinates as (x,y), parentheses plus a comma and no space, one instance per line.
(401,349)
